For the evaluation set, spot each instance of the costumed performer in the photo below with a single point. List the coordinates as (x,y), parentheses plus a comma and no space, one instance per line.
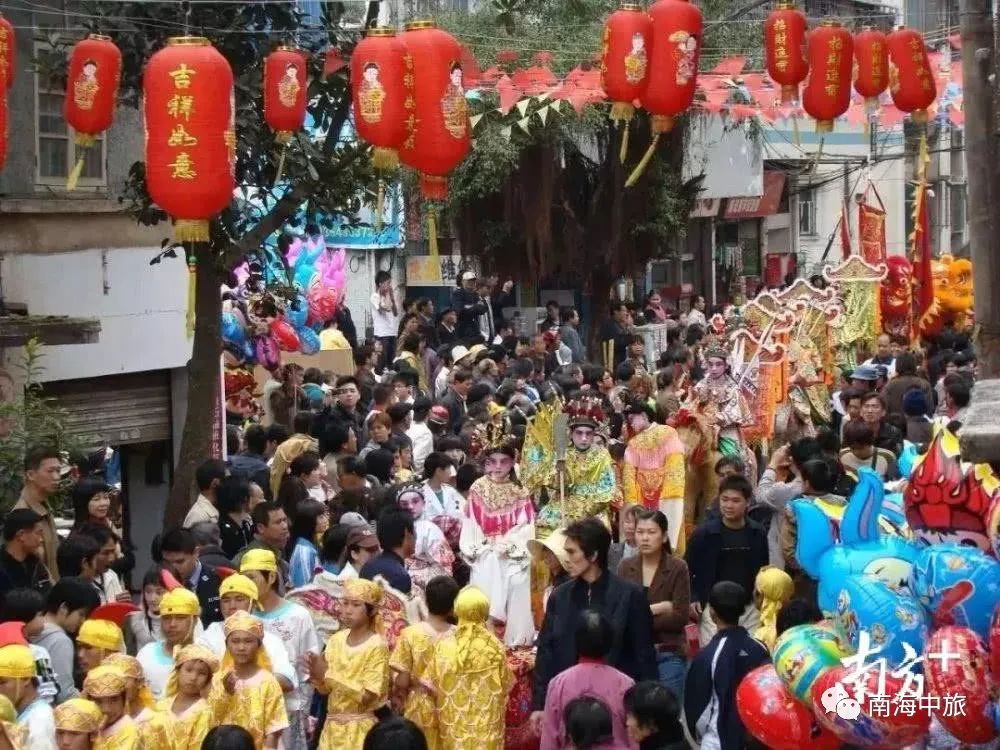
(96,640)
(354,670)
(471,679)
(78,724)
(188,715)
(412,655)
(244,692)
(139,703)
(19,684)
(499,521)
(179,615)
(432,555)
(718,398)
(653,470)
(106,686)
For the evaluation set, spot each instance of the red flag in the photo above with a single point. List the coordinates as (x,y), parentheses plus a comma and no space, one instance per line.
(845,233)
(924,298)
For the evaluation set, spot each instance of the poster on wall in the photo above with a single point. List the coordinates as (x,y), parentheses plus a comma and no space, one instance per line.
(443,270)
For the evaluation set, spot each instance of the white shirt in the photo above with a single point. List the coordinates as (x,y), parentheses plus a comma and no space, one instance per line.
(384,323)
(890,368)
(453,503)
(110,586)
(441,382)
(214,639)
(157,665)
(696,317)
(292,624)
(39,724)
(200,512)
(423,444)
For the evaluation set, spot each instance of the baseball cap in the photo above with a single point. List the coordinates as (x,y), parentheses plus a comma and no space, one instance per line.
(353,518)
(439,415)
(865,372)
(467,275)
(362,536)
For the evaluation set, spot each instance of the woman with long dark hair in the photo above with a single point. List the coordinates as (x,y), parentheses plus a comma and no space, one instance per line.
(312,519)
(235,525)
(665,580)
(303,475)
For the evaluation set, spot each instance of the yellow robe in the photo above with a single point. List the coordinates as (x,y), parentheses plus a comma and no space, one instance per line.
(122,735)
(350,672)
(187,729)
(153,730)
(471,685)
(257,705)
(412,655)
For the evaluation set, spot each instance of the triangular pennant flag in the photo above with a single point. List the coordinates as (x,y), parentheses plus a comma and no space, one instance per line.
(505,132)
(543,114)
(474,120)
(543,97)
(522,106)
(523,124)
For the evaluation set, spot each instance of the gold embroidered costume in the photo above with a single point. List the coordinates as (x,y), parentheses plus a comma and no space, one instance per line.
(412,656)
(358,679)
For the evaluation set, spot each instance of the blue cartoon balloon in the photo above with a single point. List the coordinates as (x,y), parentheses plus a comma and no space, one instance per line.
(232,329)
(308,340)
(249,352)
(297,312)
(866,546)
(891,619)
(907,459)
(803,653)
(959,585)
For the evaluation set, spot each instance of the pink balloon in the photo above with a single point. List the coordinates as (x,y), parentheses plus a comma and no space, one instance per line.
(294,250)
(322,302)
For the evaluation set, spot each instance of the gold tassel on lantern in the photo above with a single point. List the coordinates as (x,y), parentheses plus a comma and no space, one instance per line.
(191,230)
(622,112)
(192,294)
(84,141)
(385,159)
(661,124)
(432,233)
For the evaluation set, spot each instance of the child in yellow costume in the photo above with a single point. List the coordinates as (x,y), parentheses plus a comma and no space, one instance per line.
(188,715)
(12,736)
(78,723)
(471,679)
(244,692)
(140,704)
(413,653)
(96,640)
(354,669)
(106,686)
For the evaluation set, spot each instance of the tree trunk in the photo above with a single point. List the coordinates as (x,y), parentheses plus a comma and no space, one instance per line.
(203,387)
(981,135)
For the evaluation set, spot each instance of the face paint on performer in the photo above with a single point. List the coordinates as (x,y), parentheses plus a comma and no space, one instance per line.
(638,422)
(716,367)
(582,437)
(413,503)
(498,466)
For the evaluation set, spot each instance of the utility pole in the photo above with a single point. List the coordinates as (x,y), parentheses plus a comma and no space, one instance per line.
(982,149)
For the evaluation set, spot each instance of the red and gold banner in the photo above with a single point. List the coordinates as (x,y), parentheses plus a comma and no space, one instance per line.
(871,227)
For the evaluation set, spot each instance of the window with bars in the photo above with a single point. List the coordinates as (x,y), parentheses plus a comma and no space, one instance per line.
(807,211)
(57,153)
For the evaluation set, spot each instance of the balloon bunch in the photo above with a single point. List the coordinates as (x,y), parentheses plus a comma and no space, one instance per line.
(261,321)
(872,675)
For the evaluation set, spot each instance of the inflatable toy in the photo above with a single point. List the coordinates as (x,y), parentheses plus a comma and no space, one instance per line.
(957,585)
(774,717)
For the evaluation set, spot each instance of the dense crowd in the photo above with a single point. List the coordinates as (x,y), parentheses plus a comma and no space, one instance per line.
(375,553)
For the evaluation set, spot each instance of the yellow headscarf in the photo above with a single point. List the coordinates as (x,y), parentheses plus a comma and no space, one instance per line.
(17,661)
(132,669)
(181,602)
(102,634)
(477,648)
(104,681)
(775,587)
(368,592)
(242,622)
(79,715)
(192,652)
(239,584)
(259,559)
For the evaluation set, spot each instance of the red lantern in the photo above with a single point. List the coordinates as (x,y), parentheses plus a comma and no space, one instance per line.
(956,665)
(190,140)
(871,56)
(378,91)
(95,69)
(784,49)
(911,81)
(285,92)
(437,122)
(624,59)
(676,45)
(8,51)
(828,92)
(3,121)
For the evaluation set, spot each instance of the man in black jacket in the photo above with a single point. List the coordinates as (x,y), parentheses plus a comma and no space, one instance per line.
(20,564)
(593,587)
(469,305)
(180,554)
(717,670)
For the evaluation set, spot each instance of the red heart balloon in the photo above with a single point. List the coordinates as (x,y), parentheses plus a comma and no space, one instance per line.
(285,335)
(773,715)
(963,676)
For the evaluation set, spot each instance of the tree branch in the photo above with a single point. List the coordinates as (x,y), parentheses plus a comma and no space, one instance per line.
(740,12)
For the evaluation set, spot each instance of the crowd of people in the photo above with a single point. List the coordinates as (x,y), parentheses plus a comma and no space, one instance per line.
(360,569)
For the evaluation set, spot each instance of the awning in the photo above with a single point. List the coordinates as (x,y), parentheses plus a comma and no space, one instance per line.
(763,205)
(705,208)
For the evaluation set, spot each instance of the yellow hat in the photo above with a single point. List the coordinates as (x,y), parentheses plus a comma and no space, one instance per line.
(104,681)
(17,661)
(259,559)
(363,590)
(101,634)
(242,622)
(180,601)
(78,715)
(239,584)
(191,652)
(132,669)
(471,605)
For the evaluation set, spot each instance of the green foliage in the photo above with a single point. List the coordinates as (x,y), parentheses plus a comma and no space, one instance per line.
(28,420)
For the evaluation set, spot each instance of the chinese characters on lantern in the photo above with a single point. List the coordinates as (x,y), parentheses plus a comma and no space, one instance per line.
(835,49)
(781,57)
(180,107)
(878,58)
(922,69)
(409,103)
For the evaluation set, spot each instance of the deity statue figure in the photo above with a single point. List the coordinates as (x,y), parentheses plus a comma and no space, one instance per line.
(808,395)
(499,521)
(653,470)
(453,105)
(718,398)
(371,94)
(588,471)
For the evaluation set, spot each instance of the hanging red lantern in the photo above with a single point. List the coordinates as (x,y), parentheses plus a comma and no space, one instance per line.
(8,51)
(871,59)
(911,81)
(95,69)
(784,49)
(190,137)
(675,46)
(285,92)
(378,93)
(3,121)
(625,58)
(827,94)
